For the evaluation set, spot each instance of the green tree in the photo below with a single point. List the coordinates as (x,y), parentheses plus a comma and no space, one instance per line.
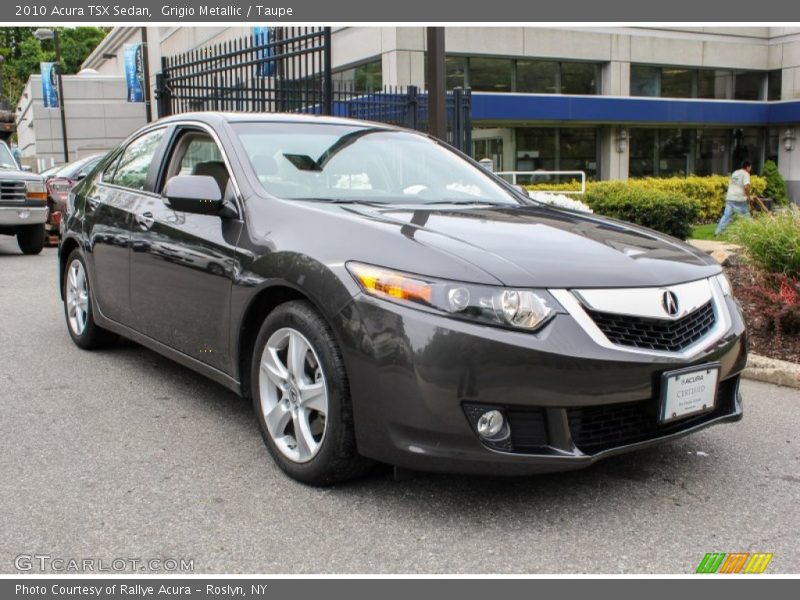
(776,185)
(23,53)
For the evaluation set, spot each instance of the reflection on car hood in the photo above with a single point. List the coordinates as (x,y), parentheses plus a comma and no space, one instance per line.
(546,247)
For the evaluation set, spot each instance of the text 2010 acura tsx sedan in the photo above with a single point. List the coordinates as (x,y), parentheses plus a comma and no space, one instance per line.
(383,298)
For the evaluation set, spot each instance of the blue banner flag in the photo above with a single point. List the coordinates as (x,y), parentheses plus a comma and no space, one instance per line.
(49,72)
(264,36)
(134,71)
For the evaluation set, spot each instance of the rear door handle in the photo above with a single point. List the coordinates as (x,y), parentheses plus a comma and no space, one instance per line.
(145,220)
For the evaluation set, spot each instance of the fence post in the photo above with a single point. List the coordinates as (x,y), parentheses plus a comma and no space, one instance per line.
(458,125)
(163,96)
(467,122)
(412,109)
(327,81)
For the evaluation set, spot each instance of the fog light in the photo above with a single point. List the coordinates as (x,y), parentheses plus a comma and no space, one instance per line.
(490,423)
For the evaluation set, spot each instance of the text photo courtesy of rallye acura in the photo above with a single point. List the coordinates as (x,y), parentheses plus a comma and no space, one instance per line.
(382,298)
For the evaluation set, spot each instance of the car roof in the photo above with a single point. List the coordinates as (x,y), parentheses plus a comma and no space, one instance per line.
(256,117)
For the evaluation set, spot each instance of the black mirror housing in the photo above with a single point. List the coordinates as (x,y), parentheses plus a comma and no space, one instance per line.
(198,194)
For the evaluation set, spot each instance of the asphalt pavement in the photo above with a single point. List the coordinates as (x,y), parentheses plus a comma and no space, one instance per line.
(123,454)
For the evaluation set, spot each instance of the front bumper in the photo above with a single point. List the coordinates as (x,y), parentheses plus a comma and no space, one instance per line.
(22,214)
(417,380)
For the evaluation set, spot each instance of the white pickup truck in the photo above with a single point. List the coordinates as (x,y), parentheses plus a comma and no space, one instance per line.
(23,203)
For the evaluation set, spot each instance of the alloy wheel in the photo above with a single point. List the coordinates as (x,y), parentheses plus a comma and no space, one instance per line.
(294,395)
(77,297)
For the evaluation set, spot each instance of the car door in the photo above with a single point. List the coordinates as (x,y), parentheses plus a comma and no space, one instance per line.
(110,202)
(182,263)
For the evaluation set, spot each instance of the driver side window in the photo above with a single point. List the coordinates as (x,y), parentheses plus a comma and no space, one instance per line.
(196,153)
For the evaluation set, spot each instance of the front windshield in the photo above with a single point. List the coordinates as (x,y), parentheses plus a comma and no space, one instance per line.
(351,163)
(6,159)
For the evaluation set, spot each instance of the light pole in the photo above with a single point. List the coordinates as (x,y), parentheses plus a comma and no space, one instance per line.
(47,34)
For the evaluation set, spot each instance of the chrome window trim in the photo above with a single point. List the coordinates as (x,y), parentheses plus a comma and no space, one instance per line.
(210,130)
(569,300)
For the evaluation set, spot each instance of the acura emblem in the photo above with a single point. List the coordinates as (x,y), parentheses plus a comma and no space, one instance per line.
(670,303)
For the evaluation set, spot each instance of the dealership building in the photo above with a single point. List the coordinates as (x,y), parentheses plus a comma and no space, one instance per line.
(615,102)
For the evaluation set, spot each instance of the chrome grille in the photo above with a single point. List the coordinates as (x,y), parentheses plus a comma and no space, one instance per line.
(655,334)
(12,190)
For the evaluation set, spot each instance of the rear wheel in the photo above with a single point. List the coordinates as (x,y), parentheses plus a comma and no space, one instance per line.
(301,397)
(30,238)
(78,307)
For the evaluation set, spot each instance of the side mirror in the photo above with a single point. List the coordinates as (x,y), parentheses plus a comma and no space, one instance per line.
(80,176)
(198,194)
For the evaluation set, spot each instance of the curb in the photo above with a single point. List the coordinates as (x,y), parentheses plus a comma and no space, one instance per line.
(771,370)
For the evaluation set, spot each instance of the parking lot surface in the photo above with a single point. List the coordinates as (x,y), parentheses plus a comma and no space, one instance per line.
(122,453)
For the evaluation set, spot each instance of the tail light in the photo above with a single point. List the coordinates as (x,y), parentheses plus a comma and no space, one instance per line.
(59,189)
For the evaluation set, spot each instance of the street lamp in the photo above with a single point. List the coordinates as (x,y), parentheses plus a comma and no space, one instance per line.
(52,34)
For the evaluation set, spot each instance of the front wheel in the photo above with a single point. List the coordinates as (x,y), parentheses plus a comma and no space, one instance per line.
(30,238)
(301,397)
(78,307)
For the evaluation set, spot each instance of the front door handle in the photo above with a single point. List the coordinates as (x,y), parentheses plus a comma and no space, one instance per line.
(93,202)
(145,220)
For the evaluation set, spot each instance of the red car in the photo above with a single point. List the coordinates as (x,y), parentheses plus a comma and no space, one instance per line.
(59,184)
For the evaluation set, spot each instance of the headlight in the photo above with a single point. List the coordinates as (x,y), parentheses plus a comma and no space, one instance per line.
(522,309)
(35,190)
(724,284)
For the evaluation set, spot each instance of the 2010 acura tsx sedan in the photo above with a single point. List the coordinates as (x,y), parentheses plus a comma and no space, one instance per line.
(382,298)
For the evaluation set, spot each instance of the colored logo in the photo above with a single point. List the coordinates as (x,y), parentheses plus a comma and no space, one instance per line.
(734,562)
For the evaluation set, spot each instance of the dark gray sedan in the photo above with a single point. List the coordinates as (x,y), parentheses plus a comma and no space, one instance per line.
(382,298)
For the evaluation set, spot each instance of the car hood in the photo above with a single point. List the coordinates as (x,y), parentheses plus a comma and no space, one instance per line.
(11,174)
(546,247)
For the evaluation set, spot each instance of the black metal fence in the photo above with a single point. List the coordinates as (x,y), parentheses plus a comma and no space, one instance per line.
(289,70)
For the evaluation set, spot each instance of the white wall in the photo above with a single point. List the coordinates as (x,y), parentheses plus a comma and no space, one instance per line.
(97,114)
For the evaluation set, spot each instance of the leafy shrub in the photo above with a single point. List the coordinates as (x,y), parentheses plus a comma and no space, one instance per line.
(668,212)
(771,241)
(775,184)
(708,191)
(776,299)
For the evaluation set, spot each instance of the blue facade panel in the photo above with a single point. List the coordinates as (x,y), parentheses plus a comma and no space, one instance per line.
(614,109)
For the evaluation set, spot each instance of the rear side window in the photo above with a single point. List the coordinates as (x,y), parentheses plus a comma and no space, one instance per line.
(132,167)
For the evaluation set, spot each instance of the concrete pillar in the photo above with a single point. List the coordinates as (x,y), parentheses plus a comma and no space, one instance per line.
(613,163)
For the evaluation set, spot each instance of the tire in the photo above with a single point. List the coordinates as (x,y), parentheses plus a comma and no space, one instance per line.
(30,238)
(327,454)
(78,309)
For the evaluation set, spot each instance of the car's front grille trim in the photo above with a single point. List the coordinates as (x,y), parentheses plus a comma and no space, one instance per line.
(692,340)
(655,334)
(12,191)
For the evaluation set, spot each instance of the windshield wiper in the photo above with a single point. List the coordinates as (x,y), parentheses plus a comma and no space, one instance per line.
(342,201)
(470,202)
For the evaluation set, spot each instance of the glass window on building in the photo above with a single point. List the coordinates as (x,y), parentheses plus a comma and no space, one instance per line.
(362,78)
(677,83)
(490,74)
(579,78)
(748,85)
(675,156)
(645,80)
(748,144)
(537,77)
(774,83)
(773,144)
(714,84)
(491,148)
(643,153)
(557,149)
(660,152)
(713,152)
(455,71)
